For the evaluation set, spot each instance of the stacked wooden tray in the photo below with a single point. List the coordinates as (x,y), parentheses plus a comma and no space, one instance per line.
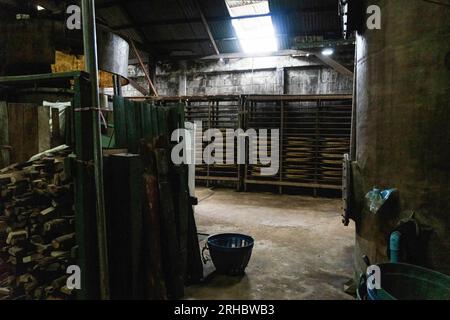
(314,136)
(334,139)
(260,116)
(221,113)
(299,144)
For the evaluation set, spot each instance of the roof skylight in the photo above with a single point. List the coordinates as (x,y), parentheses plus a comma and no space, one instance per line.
(257,34)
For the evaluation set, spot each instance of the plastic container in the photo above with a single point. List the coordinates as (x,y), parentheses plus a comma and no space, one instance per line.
(401,281)
(230,252)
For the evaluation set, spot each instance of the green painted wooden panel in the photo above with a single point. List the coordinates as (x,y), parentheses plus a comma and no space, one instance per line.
(124,191)
(120,128)
(163,118)
(155,124)
(147,128)
(132,126)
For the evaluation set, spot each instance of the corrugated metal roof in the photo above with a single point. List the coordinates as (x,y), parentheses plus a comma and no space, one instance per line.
(170,27)
(299,20)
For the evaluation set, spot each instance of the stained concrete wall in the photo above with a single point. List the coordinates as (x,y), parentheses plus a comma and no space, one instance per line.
(403,133)
(263,75)
(317,80)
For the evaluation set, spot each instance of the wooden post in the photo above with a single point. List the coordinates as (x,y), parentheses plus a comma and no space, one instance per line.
(44,128)
(171,259)
(155,287)
(56,133)
(5,147)
(124,190)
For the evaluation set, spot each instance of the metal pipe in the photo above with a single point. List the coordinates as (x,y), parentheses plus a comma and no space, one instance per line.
(117,85)
(354,101)
(91,63)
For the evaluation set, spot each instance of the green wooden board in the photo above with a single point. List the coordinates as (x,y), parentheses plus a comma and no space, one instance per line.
(120,128)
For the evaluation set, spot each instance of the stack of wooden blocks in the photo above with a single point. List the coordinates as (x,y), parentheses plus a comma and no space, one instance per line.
(37,229)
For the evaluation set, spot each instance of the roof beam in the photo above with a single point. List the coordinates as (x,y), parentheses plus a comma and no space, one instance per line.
(138,30)
(325,43)
(31,6)
(276,14)
(207,28)
(241,55)
(200,40)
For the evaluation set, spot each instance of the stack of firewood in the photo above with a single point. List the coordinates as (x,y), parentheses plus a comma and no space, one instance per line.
(37,229)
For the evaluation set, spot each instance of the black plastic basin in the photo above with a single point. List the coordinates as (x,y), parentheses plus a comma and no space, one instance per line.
(230,252)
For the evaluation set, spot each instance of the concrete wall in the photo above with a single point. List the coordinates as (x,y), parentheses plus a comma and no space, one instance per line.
(263,75)
(319,80)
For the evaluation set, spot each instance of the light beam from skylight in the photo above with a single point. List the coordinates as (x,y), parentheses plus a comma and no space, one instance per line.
(256,35)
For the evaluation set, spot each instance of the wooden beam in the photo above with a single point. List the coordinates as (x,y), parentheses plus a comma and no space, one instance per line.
(138,87)
(150,82)
(199,40)
(241,55)
(5,147)
(334,64)
(44,128)
(207,28)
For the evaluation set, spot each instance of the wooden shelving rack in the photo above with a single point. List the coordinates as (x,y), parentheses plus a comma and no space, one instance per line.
(314,135)
(218,112)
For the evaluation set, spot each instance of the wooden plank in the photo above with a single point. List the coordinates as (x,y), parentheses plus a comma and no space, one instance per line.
(124,198)
(120,128)
(69,129)
(294,98)
(182,216)
(149,80)
(335,65)
(155,288)
(138,87)
(4,136)
(147,132)
(85,206)
(44,133)
(195,264)
(171,261)
(138,106)
(163,125)
(30,131)
(15,119)
(56,129)
(131,117)
(293,184)
(155,125)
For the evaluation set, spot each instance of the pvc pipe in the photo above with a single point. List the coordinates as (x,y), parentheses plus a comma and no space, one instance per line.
(394,245)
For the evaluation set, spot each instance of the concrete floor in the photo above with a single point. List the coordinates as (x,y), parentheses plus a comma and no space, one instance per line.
(302,250)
